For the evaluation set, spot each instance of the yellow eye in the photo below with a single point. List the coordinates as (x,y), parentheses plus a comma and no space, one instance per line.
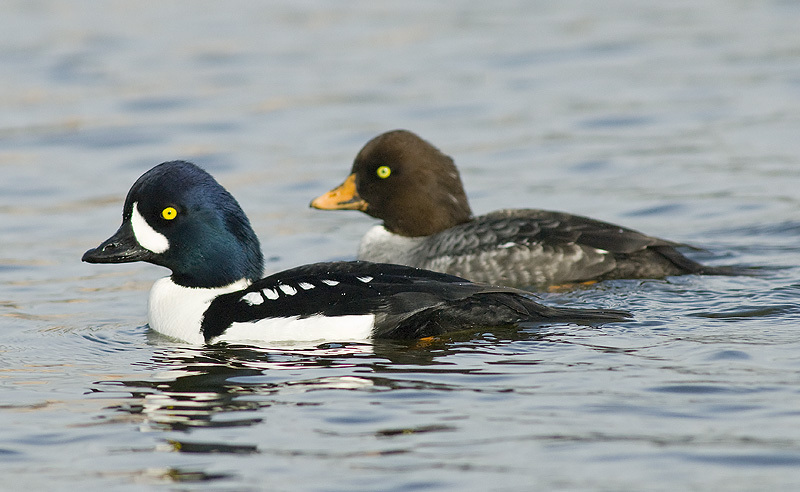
(383,172)
(169,213)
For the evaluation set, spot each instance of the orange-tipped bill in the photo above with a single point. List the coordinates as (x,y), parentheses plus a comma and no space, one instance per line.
(343,197)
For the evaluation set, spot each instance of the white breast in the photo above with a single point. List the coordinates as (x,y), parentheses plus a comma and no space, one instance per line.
(177,311)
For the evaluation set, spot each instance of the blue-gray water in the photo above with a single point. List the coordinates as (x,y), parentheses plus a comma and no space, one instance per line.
(680,119)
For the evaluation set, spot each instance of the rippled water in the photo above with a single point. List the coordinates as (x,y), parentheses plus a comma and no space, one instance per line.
(680,119)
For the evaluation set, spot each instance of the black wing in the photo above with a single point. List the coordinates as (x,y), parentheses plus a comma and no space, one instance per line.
(330,289)
(407,302)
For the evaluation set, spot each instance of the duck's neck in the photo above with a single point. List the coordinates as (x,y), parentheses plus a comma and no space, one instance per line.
(217,253)
(381,246)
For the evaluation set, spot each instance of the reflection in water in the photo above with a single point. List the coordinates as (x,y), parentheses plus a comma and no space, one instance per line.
(181,475)
(224,385)
(195,387)
(411,400)
(197,447)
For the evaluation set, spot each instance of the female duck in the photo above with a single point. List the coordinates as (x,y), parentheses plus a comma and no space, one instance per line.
(427,223)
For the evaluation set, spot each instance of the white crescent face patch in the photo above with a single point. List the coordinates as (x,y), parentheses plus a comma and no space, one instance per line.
(146,236)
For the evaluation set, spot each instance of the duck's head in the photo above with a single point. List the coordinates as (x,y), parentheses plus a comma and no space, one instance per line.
(406,182)
(176,215)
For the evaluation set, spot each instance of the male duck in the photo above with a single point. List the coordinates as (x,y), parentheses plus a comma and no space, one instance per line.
(427,223)
(177,216)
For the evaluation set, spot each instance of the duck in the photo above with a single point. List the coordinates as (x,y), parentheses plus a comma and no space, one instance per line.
(416,191)
(176,215)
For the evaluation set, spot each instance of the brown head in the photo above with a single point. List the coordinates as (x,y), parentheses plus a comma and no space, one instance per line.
(406,182)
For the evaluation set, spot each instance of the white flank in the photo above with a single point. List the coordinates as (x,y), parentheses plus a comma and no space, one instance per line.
(146,236)
(177,311)
(295,329)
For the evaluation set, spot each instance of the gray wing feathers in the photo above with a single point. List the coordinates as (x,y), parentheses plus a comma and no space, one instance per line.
(552,247)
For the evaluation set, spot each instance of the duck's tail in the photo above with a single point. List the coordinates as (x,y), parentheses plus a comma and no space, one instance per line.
(693,267)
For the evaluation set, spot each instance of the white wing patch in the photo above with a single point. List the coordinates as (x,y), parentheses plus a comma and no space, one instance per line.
(146,236)
(330,282)
(270,294)
(305,285)
(288,289)
(253,298)
(366,279)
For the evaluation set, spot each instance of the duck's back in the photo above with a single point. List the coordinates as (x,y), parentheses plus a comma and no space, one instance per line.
(527,247)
